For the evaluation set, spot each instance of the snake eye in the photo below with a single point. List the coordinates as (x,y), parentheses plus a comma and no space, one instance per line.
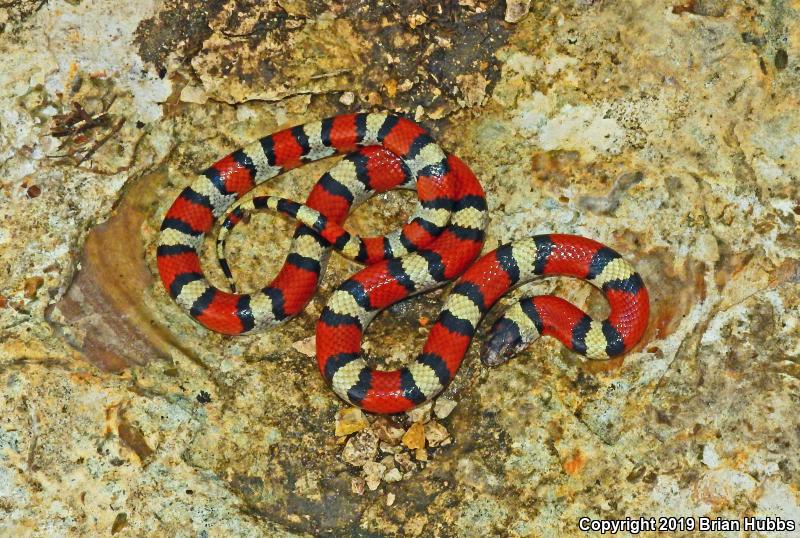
(503,342)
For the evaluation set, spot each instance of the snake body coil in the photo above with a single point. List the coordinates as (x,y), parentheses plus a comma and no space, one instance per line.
(440,241)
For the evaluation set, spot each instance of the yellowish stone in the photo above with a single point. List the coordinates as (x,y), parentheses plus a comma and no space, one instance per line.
(349,421)
(414,438)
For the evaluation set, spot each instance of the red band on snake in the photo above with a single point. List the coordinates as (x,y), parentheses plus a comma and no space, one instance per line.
(440,242)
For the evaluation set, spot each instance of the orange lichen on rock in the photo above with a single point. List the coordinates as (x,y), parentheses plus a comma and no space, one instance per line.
(575,463)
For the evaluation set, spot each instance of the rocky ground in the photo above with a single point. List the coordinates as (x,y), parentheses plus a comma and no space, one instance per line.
(669,130)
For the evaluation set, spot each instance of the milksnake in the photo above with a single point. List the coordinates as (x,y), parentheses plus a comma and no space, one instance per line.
(440,241)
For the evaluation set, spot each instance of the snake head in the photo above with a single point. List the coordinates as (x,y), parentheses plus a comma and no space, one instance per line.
(504,341)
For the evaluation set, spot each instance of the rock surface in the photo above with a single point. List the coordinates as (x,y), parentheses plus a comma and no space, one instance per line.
(667,130)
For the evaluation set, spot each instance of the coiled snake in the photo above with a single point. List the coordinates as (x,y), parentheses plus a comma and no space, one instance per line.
(440,241)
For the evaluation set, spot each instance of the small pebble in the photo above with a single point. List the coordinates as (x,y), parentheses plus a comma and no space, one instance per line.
(357,485)
(347,98)
(421,413)
(387,431)
(436,434)
(389,449)
(404,462)
(393,475)
(421,454)
(414,438)
(417,19)
(443,407)
(391,87)
(405,86)
(349,421)
(306,346)
(390,499)
(360,449)
(373,473)
(516,10)
(34,191)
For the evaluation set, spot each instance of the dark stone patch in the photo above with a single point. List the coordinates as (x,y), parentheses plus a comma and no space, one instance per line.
(119,522)
(704,8)
(586,384)
(452,41)
(781,59)
(179,27)
(335,514)
(18,11)
(431,45)
(250,486)
(754,39)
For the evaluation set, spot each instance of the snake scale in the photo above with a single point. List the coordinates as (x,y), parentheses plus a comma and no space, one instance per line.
(440,242)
